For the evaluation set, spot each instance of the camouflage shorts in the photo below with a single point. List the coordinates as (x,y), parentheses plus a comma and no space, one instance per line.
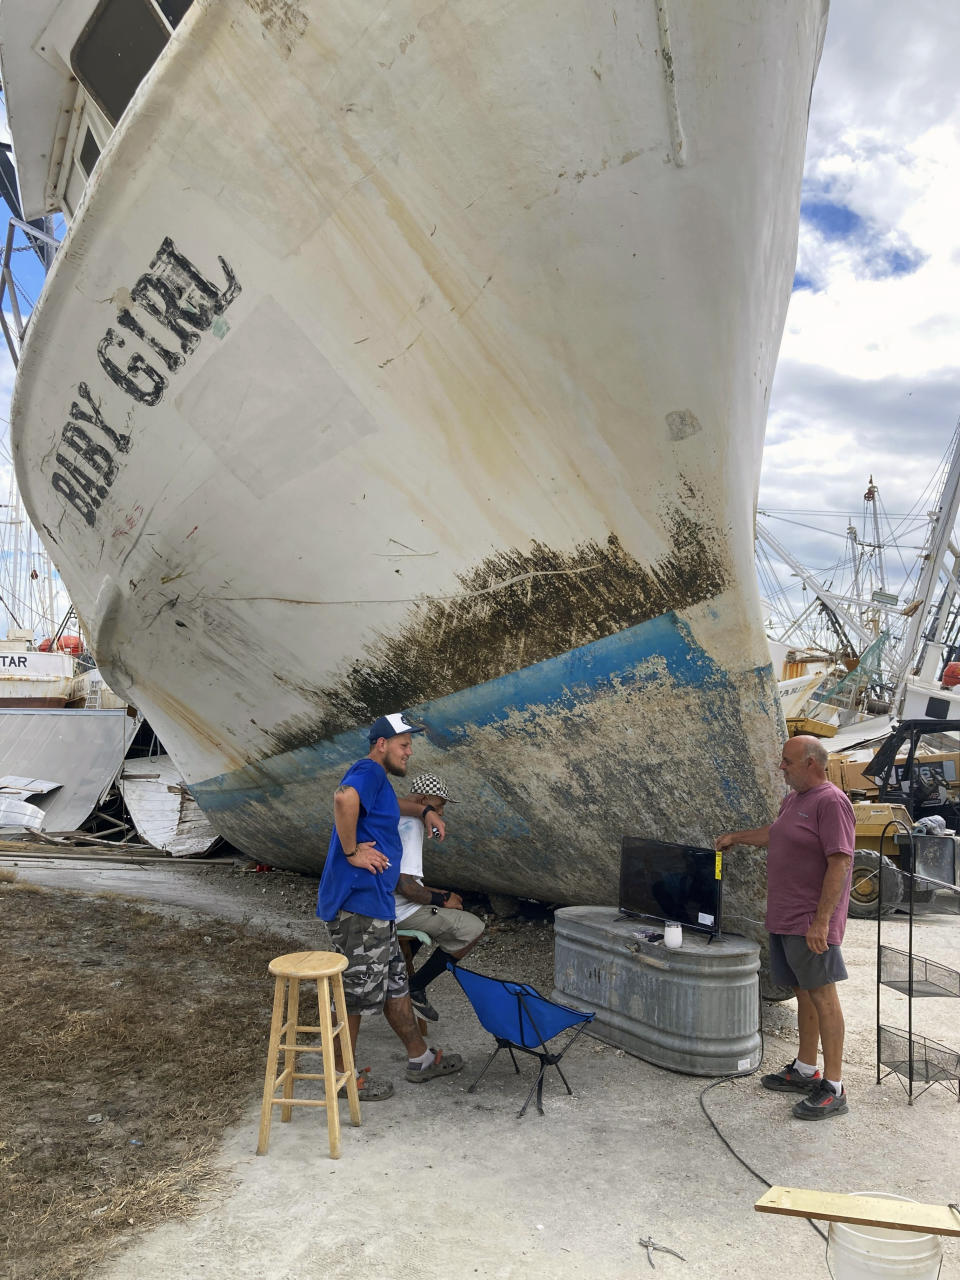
(376,970)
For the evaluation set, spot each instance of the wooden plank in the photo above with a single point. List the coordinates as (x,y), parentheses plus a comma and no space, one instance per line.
(805,724)
(867,1211)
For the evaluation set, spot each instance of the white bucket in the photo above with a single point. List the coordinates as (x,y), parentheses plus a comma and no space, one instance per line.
(862,1253)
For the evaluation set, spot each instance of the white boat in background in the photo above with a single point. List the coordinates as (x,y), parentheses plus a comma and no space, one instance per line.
(29,678)
(872,645)
(63,732)
(419,357)
(42,662)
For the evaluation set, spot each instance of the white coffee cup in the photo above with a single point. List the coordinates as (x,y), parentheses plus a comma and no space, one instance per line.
(672,935)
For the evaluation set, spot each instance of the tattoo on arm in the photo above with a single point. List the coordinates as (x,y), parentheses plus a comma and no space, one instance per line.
(412,889)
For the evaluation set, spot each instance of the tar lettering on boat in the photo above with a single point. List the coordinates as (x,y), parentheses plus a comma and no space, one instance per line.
(13,660)
(174,294)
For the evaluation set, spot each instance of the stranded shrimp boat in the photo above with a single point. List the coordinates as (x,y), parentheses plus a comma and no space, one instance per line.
(418,357)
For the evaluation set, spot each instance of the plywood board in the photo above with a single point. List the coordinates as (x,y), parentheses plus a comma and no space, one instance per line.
(868,1211)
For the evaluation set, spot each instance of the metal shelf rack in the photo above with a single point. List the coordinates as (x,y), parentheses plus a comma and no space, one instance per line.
(911,1057)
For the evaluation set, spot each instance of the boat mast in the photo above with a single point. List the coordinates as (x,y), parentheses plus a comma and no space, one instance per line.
(833,602)
(856,555)
(915,654)
(872,496)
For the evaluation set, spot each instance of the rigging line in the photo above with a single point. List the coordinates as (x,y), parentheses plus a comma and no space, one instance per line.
(935,481)
(772,589)
(776,601)
(898,549)
(779,591)
(815,511)
(831,533)
(24,296)
(18,599)
(834,534)
(774,597)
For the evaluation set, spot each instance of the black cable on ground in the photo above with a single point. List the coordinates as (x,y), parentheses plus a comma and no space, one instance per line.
(713,1124)
(736,1155)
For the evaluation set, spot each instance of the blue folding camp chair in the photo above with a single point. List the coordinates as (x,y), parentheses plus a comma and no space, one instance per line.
(519,1017)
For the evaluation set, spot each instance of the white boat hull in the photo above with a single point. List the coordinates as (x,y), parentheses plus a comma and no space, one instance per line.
(29,679)
(420,358)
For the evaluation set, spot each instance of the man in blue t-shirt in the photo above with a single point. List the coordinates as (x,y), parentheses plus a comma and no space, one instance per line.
(356,899)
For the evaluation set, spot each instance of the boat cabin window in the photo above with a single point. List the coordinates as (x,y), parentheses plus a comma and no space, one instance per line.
(119,45)
(173,10)
(88,135)
(89,152)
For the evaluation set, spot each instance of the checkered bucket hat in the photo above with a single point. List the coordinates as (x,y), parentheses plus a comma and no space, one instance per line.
(430,784)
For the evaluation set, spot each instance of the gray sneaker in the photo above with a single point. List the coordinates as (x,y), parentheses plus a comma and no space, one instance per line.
(821,1104)
(789,1080)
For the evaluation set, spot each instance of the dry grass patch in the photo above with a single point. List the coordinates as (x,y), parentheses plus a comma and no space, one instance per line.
(129,1043)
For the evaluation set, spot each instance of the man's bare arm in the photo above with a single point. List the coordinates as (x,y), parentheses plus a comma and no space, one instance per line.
(831,892)
(411,808)
(346,815)
(759,837)
(414,891)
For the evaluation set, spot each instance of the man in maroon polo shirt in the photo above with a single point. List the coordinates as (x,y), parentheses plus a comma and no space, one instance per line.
(809,869)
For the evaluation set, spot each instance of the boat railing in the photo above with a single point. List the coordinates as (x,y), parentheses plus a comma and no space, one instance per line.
(9,290)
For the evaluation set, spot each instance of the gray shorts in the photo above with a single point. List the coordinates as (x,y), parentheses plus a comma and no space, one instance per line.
(793,964)
(450,929)
(375,971)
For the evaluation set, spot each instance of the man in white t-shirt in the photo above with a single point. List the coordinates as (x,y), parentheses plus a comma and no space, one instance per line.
(436,912)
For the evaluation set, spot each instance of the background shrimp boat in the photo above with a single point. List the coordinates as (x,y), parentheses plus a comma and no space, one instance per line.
(419,357)
(876,635)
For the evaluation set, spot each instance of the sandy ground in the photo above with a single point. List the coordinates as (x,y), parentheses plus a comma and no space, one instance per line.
(441,1183)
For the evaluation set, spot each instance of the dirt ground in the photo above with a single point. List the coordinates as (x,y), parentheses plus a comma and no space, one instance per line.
(439,1183)
(115,1089)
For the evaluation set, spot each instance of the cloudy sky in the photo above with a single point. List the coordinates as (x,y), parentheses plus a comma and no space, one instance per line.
(869,374)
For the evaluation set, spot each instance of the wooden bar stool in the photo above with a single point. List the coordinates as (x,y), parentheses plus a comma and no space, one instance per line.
(324,968)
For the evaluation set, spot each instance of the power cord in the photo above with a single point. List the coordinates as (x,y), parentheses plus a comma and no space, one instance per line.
(955,1207)
(713,1124)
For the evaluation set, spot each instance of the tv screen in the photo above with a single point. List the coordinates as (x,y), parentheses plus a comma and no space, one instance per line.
(671,882)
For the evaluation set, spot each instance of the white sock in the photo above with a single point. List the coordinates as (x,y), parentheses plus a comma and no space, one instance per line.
(836,1086)
(424,1060)
(805,1068)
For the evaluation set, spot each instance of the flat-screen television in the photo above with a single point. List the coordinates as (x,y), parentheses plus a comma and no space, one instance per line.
(671,882)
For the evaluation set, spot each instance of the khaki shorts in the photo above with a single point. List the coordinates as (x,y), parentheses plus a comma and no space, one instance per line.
(793,964)
(452,930)
(375,971)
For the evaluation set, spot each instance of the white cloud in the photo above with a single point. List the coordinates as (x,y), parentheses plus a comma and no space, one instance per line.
(869,377)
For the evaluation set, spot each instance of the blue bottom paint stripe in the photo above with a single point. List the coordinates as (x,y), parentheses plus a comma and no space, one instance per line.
(563,683)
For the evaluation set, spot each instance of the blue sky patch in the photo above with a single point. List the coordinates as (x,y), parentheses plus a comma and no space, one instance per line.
(802,281)
(833,220)
(877,253)
(884,261)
